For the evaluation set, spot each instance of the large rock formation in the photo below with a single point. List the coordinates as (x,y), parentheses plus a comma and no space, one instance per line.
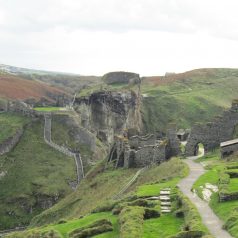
(107,113)
(213,133)
(121,78)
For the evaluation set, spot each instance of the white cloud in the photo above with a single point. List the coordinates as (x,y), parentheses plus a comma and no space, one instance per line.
(97,36)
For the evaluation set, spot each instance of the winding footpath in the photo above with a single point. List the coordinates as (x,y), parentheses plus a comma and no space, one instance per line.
(213,223)
(66,151)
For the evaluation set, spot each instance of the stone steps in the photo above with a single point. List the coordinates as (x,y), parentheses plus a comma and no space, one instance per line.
(165,200)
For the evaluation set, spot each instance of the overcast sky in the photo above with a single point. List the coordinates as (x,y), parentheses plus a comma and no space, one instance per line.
(149,37)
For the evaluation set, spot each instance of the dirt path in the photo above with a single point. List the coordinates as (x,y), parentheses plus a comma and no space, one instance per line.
(213,223)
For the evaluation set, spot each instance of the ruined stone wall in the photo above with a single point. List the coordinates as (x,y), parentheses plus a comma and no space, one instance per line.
(7,145)
(213,133)
(229,150)
(107,113)
(141,141)
(125,154)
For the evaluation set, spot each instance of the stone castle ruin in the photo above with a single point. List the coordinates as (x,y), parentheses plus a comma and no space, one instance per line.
(141,151)
(213,133)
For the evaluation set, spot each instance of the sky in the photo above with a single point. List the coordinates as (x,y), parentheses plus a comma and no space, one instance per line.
(93,37)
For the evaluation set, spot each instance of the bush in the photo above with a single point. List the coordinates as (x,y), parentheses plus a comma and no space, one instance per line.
(193,221)
(35,234)
(93,231)
(151,213)
(97,227)
(233,173)
(138,202)
(106,207)
(231,221)
(131,222)
(189,234)
(62,221)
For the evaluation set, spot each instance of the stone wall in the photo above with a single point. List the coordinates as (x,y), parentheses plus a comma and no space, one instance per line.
(108,113)
(213,133)
(229,150)
(11,142)
(139,151)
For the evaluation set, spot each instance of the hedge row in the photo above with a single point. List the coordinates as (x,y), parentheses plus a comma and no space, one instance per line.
(131,222)
(35,234)
(232,172)
(93,229)
(138,202)
(231,223)
(223,183)
(194,228)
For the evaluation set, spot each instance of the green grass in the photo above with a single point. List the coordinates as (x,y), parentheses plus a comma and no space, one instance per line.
(9,124)
(223,209)
(34,172)
(64,229)
(212,177)
(164,226)
(189,100)
(216,167)
(154,189)
(99,187)
(233,185)
(48,109)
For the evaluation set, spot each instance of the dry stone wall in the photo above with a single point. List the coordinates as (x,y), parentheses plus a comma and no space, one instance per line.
(213,133)
(141,151)
(7,145)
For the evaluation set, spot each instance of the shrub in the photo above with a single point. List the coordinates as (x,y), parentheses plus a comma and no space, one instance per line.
(231,221)
(193,221)
(189,234)
(106,207)
(138,202)
(151,213)
(97,227)
(131,222)
(62,221)
(233,173)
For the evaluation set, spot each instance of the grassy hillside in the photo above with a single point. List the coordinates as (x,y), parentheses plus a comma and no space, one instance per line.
(33,176)
(130,217)
(99,186)
(194,96)
(9,124)
(15,87)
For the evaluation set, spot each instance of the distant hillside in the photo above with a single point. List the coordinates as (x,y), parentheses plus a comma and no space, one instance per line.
(15,87)
(194,96)
(66,81)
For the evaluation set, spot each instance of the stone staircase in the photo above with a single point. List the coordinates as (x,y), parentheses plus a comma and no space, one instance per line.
(127,185)
(165,202)
(66,151)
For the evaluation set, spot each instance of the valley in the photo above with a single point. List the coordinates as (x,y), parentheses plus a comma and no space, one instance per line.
(104,159)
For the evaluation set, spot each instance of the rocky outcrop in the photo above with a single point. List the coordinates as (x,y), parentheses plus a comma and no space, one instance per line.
(108,113)
(121,78)
(79,134)
(213,133)
(7,145)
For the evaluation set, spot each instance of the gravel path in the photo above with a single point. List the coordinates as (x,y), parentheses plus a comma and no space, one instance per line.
(213,223)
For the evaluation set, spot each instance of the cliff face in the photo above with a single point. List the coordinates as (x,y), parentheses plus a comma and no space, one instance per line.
(108,113)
